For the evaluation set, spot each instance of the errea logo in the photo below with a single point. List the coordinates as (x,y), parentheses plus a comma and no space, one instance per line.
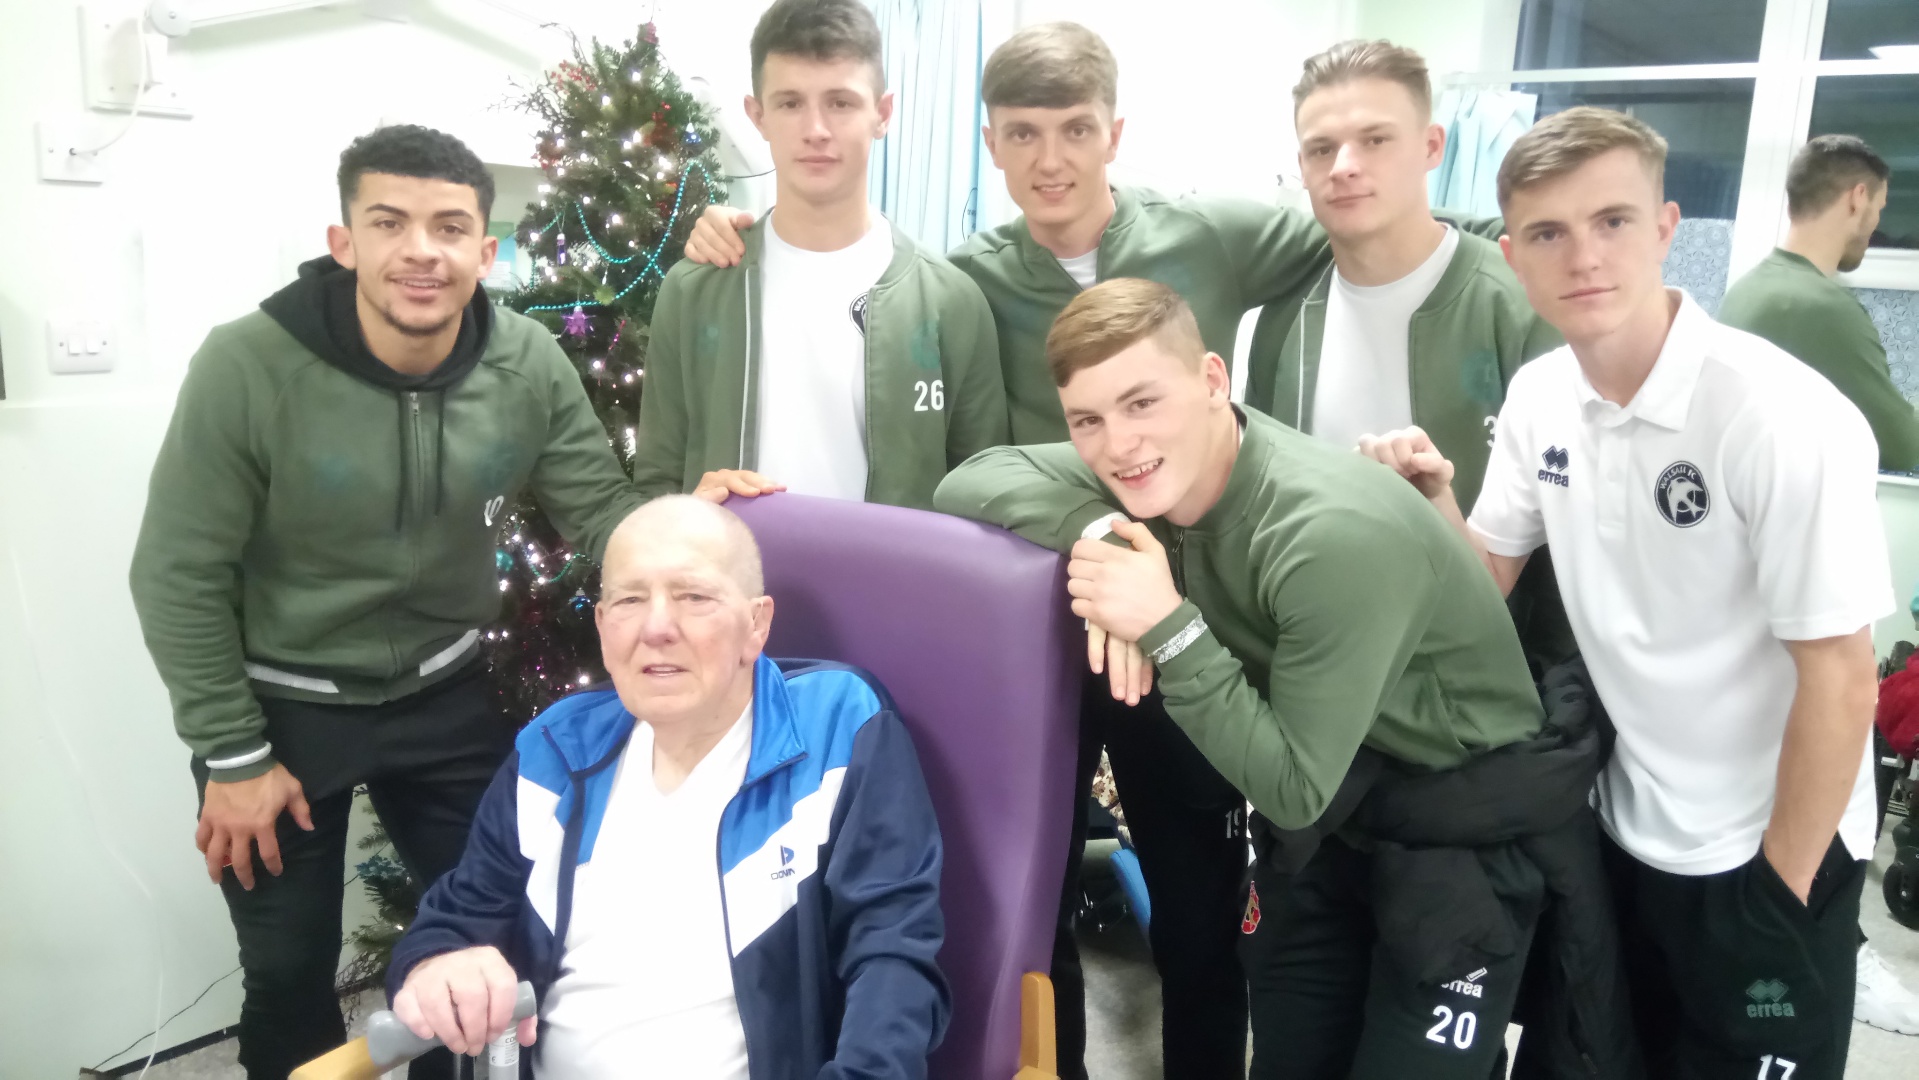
(1768,999)
(1557,461)
(1469,985)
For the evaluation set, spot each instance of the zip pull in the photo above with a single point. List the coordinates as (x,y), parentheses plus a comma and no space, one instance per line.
(413,398)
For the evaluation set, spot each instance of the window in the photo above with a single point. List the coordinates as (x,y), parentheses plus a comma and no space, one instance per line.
(1622,33)
(1870,30)
(1884,111)
(1737,87)
(1704,120)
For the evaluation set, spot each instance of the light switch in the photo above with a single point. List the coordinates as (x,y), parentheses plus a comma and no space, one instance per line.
(80,346)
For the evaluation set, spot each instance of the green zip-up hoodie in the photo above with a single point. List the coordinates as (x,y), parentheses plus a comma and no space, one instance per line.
(311,533)
(1465,342)
(1787,301)
(933,391)
(1340,612)
(1224,256)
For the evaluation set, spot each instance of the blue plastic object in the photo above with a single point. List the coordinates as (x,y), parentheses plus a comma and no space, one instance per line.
(1133,883)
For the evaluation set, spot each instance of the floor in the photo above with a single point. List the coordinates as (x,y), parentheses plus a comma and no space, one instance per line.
(1123,1006)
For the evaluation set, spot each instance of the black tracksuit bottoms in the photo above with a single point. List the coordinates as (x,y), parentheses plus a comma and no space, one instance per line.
(426,759)
(1189,830)
(1330,1002)
(1732,978)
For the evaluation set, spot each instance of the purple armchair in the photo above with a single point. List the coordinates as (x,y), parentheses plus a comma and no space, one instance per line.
(968,628)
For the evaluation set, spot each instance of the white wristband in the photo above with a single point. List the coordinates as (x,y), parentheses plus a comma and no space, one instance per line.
(1178,642)
(241,761)
(1099,527)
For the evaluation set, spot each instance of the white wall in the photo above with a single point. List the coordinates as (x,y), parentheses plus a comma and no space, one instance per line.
(202,218)
(1458,37)
(1206,85)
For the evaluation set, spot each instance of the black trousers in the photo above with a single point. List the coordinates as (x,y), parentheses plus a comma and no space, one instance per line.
(1189,830)
(426,760)
(1731,976)
(1329,1003)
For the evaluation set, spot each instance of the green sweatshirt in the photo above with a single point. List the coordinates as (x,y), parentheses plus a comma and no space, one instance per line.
(1465,342)
(1341,611)
(310,534)
(933,392)
(1224,256)
(1789,302)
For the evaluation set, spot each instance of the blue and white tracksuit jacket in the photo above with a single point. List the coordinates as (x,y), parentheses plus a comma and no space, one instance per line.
(828,857)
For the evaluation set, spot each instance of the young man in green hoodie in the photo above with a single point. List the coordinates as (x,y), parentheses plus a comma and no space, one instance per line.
(837,359)
(317,559)
(1415,321)
(1835,192)
(1317,633)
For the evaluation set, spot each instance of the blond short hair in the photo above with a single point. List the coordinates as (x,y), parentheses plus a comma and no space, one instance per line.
(1350,61)
(1051,66)
(1115,315)
(1564,141)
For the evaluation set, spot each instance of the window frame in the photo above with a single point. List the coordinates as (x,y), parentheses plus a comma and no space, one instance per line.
(1785,79)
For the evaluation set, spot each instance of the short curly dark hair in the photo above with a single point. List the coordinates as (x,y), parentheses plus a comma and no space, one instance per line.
(412,150)
(821,30)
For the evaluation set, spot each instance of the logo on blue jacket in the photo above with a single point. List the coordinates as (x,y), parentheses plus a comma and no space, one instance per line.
(786,855)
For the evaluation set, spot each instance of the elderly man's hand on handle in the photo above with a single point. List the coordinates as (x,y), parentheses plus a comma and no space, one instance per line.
(236,815)
(464,999)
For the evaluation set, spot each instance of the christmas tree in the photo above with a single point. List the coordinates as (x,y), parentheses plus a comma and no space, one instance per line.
(629,161)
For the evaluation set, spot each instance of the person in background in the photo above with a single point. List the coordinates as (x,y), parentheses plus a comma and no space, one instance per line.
(837,358)
(1835,192)
(806,949)
(1710,503)
(316,561)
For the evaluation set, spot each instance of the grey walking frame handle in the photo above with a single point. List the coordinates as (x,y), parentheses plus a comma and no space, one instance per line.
(390,1042)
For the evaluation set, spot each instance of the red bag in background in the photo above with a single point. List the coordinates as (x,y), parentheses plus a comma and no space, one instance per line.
(1898,714)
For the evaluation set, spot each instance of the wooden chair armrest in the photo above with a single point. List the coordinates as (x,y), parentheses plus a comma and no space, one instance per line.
(1038,1042)
(349,1062)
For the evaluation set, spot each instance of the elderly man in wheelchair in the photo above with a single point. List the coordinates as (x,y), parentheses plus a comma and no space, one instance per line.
(719,866)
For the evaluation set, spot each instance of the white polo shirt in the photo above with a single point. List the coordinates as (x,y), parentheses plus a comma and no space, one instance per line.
(1729,507)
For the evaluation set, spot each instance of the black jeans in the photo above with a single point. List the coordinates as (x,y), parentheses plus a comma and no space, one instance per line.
(1330,1003)
(426,760)
(1732,977)
(1189,830)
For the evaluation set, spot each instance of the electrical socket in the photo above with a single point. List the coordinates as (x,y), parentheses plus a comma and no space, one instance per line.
(57,142)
